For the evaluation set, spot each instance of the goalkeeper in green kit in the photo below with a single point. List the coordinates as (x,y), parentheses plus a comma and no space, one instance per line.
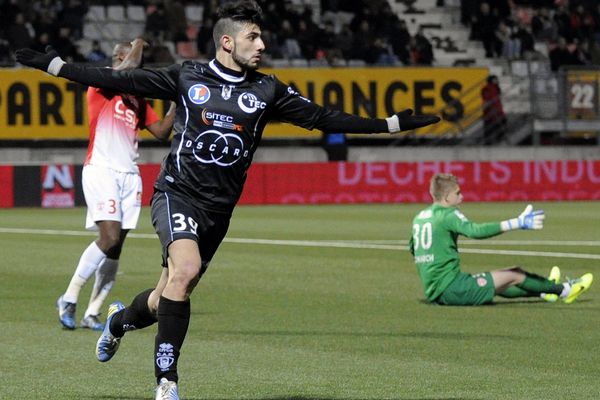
(433,244)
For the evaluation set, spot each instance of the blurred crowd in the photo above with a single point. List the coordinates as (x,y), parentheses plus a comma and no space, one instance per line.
(364,30)
(367,31)
(569,30)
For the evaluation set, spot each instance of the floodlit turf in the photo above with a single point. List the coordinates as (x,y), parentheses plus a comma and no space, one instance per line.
(292,317)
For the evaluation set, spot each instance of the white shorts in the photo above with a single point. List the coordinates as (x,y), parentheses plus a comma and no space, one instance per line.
(111,196)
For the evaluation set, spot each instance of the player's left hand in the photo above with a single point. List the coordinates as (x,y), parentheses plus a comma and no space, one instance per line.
(531,219)
(406,121)
(49,61)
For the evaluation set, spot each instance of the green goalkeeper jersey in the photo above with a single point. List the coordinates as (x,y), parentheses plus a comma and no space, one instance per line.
(433,244)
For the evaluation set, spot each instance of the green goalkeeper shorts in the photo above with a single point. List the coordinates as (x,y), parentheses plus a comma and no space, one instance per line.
(469,290)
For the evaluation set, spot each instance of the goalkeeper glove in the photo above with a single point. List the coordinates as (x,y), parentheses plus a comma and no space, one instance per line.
(405,121)
(528,219)
(49,61)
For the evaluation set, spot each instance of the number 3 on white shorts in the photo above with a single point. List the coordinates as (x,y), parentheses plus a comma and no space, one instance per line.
(179,221)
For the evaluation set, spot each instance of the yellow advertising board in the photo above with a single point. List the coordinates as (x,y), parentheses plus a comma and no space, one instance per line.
(34,105)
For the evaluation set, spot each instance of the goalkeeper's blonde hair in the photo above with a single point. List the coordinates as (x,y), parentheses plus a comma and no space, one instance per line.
(441,184)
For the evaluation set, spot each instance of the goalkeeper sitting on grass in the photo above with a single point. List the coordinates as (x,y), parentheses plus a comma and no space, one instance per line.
(433,244)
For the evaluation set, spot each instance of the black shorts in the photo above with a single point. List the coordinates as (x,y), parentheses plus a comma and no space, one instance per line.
(175,217)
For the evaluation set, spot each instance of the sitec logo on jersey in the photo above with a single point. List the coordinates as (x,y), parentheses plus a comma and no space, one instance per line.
(214,147)
(199,94)
(249,103)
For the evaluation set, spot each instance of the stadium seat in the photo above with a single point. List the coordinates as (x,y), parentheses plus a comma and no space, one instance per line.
(356,63)
(280,63)
(318,63)
(299,63)
(116,31)
(116,13)
(92,31)
(96,13)
(136,13)
(194,13)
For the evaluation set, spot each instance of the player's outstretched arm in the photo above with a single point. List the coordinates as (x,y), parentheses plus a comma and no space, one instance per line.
(298,110)
(153,83)
(528,219)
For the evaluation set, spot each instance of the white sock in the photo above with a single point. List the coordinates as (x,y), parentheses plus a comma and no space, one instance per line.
(566,289)
(105,279)
(89,262)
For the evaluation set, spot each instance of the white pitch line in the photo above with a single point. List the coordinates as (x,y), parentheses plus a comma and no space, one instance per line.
(332,244)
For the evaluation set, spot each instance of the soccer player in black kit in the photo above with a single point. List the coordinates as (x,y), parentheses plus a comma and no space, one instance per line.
(222,109)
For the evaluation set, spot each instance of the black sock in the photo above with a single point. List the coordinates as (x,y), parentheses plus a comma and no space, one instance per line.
(173,320)
(136,316)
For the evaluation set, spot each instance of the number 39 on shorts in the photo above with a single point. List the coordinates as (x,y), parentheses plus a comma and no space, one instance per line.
(181,223)
(422,236)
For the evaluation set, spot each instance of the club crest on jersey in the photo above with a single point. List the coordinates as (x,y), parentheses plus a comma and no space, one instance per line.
(226,91)
(249,103)
(199,94)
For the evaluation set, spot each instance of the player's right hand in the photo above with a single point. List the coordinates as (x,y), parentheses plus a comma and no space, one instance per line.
(531,219)
(49,61)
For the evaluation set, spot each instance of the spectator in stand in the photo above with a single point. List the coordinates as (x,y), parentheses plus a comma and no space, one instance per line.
(594,49)
(307,36)
(204,40)
(20,33)
(287,41)
(494,119)
(421,49)
(96,53)
(5,52)
(72,16)
(362,44)
(511,45)
(156,27)
(344,40)
(9,10)
(561,55)
(41,42)
(542,26)
(176,21)
(527,40)
(65,46)
(400,41)
(596,17)
(484,27)
(582,23)
(563,23)
(383,53)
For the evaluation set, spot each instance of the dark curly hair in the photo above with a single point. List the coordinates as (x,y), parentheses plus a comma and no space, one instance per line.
(232,16)
(241,11)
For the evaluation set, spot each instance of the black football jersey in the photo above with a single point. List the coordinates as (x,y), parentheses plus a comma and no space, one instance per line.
(219,122)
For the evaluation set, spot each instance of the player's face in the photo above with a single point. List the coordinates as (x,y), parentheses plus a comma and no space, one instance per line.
(454,197)
(248,47)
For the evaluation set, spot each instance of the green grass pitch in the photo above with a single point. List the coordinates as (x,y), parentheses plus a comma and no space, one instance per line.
(309,303)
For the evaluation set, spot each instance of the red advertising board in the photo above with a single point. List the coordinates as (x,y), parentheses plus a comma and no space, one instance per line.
(343,183)
(399,182)
(6,186)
